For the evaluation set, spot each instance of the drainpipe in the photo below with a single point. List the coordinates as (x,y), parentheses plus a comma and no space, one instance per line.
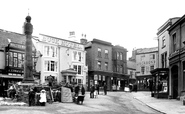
(179,74)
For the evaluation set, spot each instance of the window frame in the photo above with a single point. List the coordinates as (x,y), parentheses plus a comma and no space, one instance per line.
(99,52)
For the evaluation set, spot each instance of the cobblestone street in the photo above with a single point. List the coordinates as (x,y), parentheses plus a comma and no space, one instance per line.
(113,103)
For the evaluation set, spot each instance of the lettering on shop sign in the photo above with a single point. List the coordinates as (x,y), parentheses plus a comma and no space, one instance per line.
(61,42)
(151,62)
(17,45)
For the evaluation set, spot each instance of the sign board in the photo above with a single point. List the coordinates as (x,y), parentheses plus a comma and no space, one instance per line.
(61,42)
(66,95)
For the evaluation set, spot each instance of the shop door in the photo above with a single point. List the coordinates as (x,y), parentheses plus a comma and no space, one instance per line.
(175,81)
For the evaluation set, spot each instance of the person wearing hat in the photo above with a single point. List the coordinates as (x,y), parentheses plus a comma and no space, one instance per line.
(43,97)
(31,96)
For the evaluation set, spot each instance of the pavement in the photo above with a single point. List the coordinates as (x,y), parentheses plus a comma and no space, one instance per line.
(166,106)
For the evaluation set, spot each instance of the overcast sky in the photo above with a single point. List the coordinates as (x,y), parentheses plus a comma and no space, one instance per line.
(128,23)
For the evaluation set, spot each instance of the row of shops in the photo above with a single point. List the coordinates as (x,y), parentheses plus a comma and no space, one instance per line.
(113,81)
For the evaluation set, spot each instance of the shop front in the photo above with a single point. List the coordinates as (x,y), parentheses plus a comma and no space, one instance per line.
(119,81)
(143,82)
(159,85)
(100,78)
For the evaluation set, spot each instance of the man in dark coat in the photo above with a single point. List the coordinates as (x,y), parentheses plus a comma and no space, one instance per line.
(31,96)
(77,88)
(92,89)
(83,90)
(105,89)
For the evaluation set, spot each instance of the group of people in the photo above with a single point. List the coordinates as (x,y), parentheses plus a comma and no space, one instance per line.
(94,90)
(36,98)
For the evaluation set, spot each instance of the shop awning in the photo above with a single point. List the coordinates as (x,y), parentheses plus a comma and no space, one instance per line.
(159,71)
(10,76)
(69,72)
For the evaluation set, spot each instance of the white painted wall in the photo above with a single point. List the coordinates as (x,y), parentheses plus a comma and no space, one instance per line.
(2,60)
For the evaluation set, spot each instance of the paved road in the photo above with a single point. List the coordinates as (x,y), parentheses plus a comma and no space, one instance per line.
(113,103)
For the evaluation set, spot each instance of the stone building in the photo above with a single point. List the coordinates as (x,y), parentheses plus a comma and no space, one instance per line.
(99,62)
(63,60)
(146,60)
(177,58)
(120,77)
(12,56)
(161,73)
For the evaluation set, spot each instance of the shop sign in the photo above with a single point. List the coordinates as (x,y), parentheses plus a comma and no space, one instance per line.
(99,77)
(20,46)
(61,42)
(151,62)
(85,68)
(103,78)
(95,77)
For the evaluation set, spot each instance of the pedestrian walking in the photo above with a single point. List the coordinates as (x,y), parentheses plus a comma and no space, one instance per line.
(31,95)
(83,90)
(105,89)
(92,89)
(98,88)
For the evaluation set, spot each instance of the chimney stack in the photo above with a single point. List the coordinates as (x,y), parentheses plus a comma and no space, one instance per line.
(83,40)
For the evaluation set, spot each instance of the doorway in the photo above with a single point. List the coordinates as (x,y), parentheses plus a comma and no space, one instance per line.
(174,72)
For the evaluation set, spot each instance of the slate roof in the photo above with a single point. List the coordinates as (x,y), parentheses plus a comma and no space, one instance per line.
(147,50)
(6,36)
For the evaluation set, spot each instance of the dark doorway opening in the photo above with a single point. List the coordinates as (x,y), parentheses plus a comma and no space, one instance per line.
(174,71)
